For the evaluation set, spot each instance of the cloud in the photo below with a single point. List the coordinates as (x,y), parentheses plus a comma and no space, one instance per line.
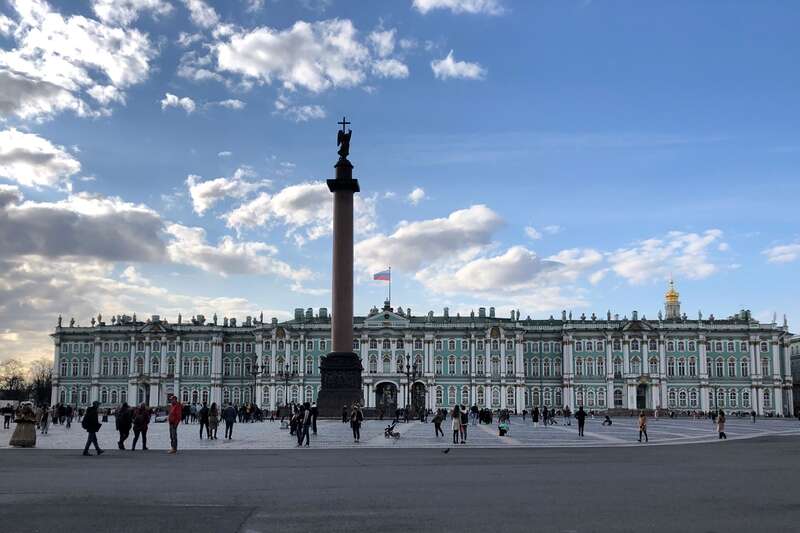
(205,194)
(782,253)
(383,42)
(201,14)
(186,103)
(460,235)
(224,153)
(189,247)
(448,68)
(532,233)
(310,55)
(489,7)
(306,209)
(231,104)
(679,253)
(125,12)
(82,225)
(552,229)
(253,6)
(390,68)
(416,196)
(60,57)
(298,113)
(34,161)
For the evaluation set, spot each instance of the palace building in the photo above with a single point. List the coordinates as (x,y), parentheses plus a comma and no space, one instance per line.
(671,361)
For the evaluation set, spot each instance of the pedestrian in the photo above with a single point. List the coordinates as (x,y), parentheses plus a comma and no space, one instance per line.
(437,424)
(344,414)
(567,415)
(141,420)
(202,415)
(356,417)
(306,424)
(124,421)
(464,421)
(581,417)
(544,416)
(642,426)
(175,416)
(70,414)
(535,417)
(753,414)
(24,435)
(213,420)
(524,414)
(455,414)
(314,415)
(229,416)
(44,421)
(92,426)
(8,412)
(721,425)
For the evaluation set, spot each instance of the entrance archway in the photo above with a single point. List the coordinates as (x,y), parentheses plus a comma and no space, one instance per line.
(417,398)
(386,397)
(641,397)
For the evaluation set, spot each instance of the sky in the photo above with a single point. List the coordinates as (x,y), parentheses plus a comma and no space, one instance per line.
(169,156)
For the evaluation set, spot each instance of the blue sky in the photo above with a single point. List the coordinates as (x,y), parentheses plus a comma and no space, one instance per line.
(165,156)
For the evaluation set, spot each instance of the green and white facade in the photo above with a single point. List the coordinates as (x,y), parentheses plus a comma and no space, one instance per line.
(735,363)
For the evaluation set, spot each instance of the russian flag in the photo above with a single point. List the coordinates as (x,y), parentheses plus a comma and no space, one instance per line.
(385,275)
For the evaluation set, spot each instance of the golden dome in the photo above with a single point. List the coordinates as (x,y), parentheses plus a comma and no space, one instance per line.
(671,296)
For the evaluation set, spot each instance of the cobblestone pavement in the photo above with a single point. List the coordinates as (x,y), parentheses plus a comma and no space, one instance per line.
(334,434)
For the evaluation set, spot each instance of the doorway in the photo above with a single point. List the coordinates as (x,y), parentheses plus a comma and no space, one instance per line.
(641,397)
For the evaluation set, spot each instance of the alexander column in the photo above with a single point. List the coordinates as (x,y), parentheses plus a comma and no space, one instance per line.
(341,368)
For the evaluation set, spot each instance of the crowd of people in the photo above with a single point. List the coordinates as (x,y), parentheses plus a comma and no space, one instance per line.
(299,418)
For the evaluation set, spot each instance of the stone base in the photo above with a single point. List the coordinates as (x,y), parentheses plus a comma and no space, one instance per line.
(341,383)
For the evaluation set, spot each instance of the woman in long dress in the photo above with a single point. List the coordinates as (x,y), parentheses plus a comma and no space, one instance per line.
(25,433)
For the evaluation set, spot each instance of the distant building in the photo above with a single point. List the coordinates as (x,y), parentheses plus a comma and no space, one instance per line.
(671,361)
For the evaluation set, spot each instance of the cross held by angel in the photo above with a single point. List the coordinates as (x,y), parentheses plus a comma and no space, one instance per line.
(343,139)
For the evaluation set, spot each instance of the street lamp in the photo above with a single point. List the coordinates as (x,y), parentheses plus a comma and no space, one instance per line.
(411,373)
(256,371)
(286,376)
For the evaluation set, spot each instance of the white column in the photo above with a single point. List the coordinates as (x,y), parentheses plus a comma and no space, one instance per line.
(626,356)
(132,388)
(755,365)
(503,369)
(176,387)
(259,399)
(94,389)
(216,370)
(776,359)
(502,396)
(146,356)
(274,349)
(56,371)
(662,366)
(301,367)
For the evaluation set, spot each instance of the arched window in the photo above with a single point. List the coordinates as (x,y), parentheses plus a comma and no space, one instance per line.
(105,366)
(438,366)
(653,364)
(681,348)
(590,366)
(579,397)
(265,397)
(280,396)
(399,344)
(187,363)
(309,365)
(356,345)
(295,365)
(692,366)
(114,396)
(226,367)
(636,365)
(495,397)
(84,396)
(104,395)
(510,397)
(682,397)
(764,366)
(196,366)
(465,366)
(617,367)
(155,365)
(509,365)
(281,346)
(671,346)
(495,345)
(617,398)
(599,346)
(651,345)
(237,395)
(451,395)
(171,366)
(140,346)
(672,399)
(589,346)
(693,398)
(601,366)
(745,398)
(764,347)
(465,396)
(387,364)
(74,367)
(536,397)
(590,397)
(417,344)
(106,347)
(617,345)
(64,369)
(557,366)
(85,367)
(139,365)
(373,364)
(721,398)
(732,398)
(451,365)
(495,367)
(480,366)
(578,346)
(720,367)
(535,367)
(548,397)
(579,366)
(386,344)
(601,397)
(451,345)
(439,396)
(226,394)
(691,346)
(744,365)
(237,367)
(247,370)
(635,345)
(681,367)
(398,364)
(125,366)
(557,399)
(309,396)
(731,347)
(767,398)
(185,396)
(732,367)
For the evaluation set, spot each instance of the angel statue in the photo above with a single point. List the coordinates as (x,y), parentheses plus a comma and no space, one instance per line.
(343,139)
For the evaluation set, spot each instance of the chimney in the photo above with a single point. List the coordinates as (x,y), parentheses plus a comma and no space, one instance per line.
(481,312)
(491,312)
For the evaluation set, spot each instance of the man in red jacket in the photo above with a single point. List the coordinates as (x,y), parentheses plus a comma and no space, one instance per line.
(175,413)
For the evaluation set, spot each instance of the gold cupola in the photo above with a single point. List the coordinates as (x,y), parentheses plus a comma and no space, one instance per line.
(672,304)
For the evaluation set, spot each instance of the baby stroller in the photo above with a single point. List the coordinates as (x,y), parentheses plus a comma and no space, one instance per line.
(390,433)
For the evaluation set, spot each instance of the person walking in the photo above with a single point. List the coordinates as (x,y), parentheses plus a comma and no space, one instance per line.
(642,426)
(44,421)
(229,416)
(8,412)
(535,417)
(124,421)
(92,425)
(581,417)
(202,415)
(314,415)
(175,416)
(356,417)
(24,435)
(464,421)
(721,425)
(455,414)
(544,416)
(753,414)
(306,425)
(437,424)
(141,420)
(567,415)
(344,414)
(70,413)
(213,420)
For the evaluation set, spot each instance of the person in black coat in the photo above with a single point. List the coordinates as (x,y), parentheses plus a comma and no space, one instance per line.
(92,426)
(229,416)
(202,415)
(124,420)
(314,415)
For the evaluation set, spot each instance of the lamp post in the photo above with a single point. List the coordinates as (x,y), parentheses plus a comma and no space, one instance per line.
(411,372)
(256,371)
(286,376)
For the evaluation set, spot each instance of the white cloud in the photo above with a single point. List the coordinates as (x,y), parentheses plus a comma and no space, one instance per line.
(61,56)
(390,68)
(185,103)
(232,104)
(532,233)
(224,153)
(82,225)
(679,253)
(383,42)
(552,229)
(723,247)
(448,68)
(306,209)
(783,253)
(33,161)
(461,235)
(254,6)
(313,56)
(201,13)
(127,11)
(489,7)
(597,277)
(416,196)
(189,247)
(298,113)
(205,194)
